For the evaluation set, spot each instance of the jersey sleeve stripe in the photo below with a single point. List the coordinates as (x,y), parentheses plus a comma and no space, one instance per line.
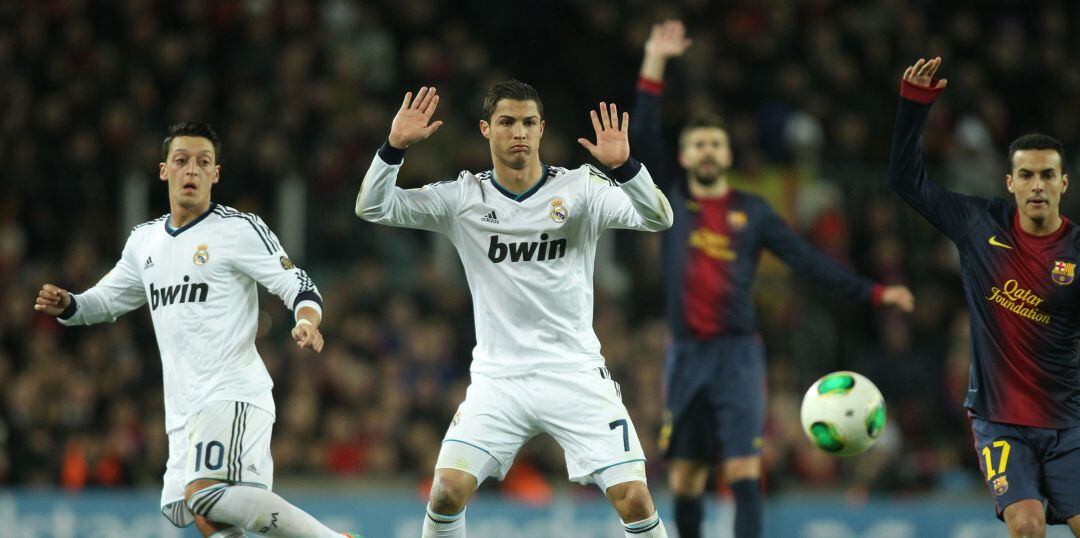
(224,213)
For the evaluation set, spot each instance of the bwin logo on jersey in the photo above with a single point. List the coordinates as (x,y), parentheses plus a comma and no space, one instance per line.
(527,251)
(180,293)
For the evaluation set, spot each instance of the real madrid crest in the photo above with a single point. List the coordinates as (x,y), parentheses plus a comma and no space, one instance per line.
(201,255)
(558,212)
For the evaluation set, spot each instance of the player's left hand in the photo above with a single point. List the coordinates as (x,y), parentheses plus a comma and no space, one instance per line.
(308,336)
(612,147)
(898,297)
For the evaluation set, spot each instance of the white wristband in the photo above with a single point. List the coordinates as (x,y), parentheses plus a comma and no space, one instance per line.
(302,321)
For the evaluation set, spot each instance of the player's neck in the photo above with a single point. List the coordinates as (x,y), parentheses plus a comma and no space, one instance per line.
(180,216)
(1045,226)
(717,189)
(518,180)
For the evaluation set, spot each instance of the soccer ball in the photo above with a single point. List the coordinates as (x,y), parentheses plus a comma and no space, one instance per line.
(843,413)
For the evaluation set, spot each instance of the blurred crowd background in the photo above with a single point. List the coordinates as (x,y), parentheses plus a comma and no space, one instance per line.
(302,94)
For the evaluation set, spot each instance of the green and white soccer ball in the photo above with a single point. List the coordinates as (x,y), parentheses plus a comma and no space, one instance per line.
(843,413)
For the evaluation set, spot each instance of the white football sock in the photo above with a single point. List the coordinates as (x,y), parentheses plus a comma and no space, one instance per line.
(652,527)
(440,526)
(257,510)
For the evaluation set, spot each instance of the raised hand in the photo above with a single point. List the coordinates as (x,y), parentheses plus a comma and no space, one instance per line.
(411,122)
(52,300)
(612,146)
(898,297)
(922,73)
(667,40)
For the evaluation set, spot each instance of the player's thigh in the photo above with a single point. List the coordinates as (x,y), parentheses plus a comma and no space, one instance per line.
(585,414)
(229,441)
(689,433)
(737,396)
(1009,463)
(489,428)
(172,492)
(1061,473)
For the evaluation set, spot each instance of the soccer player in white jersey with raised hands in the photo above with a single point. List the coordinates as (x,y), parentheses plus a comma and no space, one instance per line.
(197,267)
(526,233)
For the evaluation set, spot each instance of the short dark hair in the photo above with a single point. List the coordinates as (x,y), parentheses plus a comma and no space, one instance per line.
(1036,141)
(191,128)
(515,90)
(702,120)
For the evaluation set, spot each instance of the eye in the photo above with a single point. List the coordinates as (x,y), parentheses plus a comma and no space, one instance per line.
(204,162)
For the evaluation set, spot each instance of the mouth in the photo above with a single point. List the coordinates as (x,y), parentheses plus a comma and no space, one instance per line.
(1037,202)
(519,148)
(189,187)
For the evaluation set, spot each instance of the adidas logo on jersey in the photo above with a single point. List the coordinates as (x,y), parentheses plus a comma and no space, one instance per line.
(149,263)
(179,293)
(526,251)
(490,217)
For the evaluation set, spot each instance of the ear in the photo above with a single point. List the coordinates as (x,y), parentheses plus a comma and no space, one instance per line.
(1064,182)
(217,173)
(1008,182)
(682,159)
(542,125)
(485,129)
(161,172)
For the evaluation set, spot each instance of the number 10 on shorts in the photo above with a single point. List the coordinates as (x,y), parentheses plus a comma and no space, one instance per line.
(625,432)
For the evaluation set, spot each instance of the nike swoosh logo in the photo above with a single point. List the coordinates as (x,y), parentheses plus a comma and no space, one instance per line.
(996,243)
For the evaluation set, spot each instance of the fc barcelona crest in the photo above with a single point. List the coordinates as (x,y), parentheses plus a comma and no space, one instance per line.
(1063,273)
(1001,485)
(559,211)
(201,255)
(736,220)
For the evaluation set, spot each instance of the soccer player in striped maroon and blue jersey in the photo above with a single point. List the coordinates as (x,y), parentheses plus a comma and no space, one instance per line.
(715,371)
(1018,264)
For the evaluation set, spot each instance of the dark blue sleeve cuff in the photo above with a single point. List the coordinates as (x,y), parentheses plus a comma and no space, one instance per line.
(308,295)
(70,310)
(391,155)
(626,171)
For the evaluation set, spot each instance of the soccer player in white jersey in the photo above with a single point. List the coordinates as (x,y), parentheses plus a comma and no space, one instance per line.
(197,268)
(526,234)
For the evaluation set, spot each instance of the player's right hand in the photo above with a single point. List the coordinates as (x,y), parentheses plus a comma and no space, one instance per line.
(667,40)
(52,300)
(411,122)
(922,73)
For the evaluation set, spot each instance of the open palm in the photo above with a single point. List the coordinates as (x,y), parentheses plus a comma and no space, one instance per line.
(667,39)
(612,147)
(410,125)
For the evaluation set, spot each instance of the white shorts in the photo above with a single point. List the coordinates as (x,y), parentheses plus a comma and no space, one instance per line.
(227,441)
(582,410)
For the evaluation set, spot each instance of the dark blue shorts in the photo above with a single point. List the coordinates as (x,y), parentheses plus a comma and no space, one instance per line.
(714,398)
(1024,462)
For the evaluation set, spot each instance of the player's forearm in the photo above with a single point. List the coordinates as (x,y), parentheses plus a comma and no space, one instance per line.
(309,313)
(86,308)
(906,169)
(652,67)
(378,185)
(648,201)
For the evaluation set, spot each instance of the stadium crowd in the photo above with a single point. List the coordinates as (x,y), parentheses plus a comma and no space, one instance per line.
(307,90)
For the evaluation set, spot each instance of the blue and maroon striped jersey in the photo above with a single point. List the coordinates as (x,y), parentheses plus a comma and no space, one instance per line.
(711,252)
(1025,365)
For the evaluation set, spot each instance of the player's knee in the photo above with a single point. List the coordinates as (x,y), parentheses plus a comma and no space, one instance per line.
(632,501)
(450,491)
(688,480)
(1027,525)
(744,468)
(195,486)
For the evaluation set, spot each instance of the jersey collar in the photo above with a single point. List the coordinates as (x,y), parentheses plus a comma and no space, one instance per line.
(525,195)
(177,231)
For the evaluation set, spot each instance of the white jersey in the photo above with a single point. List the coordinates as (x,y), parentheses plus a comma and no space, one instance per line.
(528,258)
(200,283)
